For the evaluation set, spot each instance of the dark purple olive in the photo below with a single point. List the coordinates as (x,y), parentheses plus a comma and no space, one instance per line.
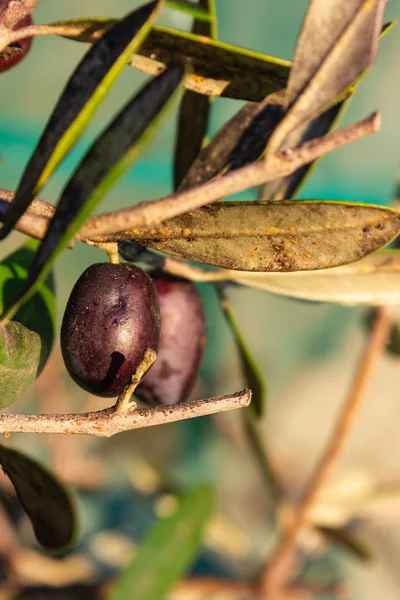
(183,335)
(112,317)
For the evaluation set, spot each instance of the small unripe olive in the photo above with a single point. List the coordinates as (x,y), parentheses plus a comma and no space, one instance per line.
(112,317)
(183,335)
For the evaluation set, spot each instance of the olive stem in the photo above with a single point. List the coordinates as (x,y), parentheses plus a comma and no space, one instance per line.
(124,404)
(118,225)
(108,422)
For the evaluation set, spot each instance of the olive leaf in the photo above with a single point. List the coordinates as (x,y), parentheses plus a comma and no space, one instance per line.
(244,137)
(277,236)
(219,69)
(374,281)
(167,551)
(240,141)
(22,356)
(39,314)
(106,160)
(45,500)
(337,43)
(194,109)
(255,378)
(85,90)
(288,187)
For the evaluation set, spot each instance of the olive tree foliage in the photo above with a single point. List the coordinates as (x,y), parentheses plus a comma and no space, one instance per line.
(316,250)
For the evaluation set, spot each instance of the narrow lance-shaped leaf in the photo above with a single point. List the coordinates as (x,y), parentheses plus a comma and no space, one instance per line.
(219,69)
(337,43)
(194,109)
(46,502)
(373,280)
(167,551)
(288,187)
(255,379)
(85,90)
(277,236)
(107,159)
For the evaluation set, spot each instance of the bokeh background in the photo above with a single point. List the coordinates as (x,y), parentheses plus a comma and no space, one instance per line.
(307,351)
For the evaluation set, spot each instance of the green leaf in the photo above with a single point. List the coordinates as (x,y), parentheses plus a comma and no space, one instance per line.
(22,357)
(374,281)
(219,69)
(39,314)
(254,377)
(337,43)
(194,109)
(45,500)
(277,236)
(107,159)
(167,551)
(85,90)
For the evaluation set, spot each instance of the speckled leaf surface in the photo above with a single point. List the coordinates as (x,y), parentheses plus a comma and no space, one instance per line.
(278,236)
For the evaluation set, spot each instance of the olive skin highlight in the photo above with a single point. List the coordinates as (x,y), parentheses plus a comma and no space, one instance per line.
(183,335)
(112,317)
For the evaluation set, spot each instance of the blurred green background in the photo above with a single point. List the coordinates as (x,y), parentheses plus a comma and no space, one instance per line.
(306,350)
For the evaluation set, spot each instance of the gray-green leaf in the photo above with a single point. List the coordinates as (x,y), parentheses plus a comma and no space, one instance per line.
(45,500)
(337,43)
(22,357)
(374,281)
(167,551)
(277,236)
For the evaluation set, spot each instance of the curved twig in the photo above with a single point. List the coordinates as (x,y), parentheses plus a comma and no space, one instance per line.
(108,422)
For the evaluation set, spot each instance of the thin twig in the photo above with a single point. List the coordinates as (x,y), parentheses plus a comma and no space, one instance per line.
(9,36)
(105,227)
(108,422)
(273,580)
(281,164)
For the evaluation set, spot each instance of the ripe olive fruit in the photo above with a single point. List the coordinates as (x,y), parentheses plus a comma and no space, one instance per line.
(183,335)
(13,54)
(112,317)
